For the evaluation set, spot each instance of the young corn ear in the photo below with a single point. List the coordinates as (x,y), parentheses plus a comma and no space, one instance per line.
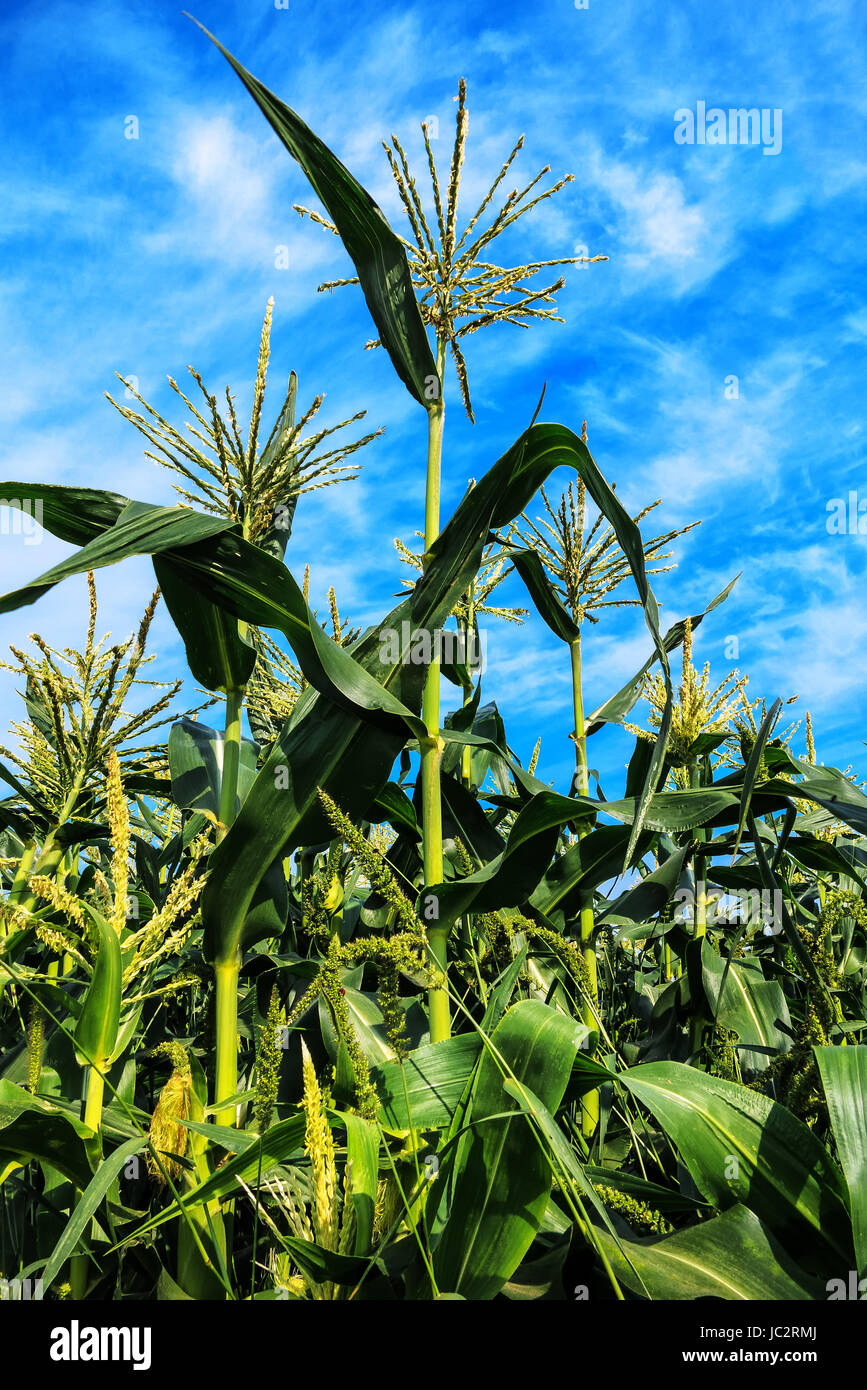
(167,1135)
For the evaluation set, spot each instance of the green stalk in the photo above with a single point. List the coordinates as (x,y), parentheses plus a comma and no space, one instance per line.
(468,631)
(697,1029)
(226,972)
(226,1081)
(80,1264)
(432,746)
(231,760)
(700,910)
(590,1102)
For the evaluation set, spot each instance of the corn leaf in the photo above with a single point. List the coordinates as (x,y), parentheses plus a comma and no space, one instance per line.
(502,1182)
(844,1077)
(32,1128)
(732,1256)
(741,1146)
(88,1203)
(423,1092)
(96,1030)
(217,654)
(377,253)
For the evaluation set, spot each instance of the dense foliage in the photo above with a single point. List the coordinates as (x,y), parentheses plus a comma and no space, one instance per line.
(357,1006)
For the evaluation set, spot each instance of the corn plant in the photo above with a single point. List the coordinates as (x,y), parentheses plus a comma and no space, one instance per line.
(345,1002)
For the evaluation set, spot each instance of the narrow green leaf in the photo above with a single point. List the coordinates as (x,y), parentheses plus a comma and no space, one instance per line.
(754,763)
(377,253)
(196,766)
(502,1181)
(362,1146)
(615,709)
(90,1200)
(844,1076)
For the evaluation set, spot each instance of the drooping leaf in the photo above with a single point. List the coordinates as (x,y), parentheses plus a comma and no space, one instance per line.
(732,1256)
(32,1128)
(528,564)
(369,1027)
(574,874)
(217,654)
(741,1146)
(651,893)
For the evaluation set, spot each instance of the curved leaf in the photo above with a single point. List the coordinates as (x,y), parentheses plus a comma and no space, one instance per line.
(732,1256)
(378,254)
(196,766)
(217,654)
(96,1030)
(740,1146)
(32,1128)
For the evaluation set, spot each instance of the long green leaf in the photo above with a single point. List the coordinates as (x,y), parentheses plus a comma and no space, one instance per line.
(844,1076)
(85,1208)
(362,1146)
(377,253)
(502,1181)
(740,1146)
(732,1256)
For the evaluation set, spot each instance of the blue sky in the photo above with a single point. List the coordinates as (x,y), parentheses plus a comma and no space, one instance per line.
(143,255)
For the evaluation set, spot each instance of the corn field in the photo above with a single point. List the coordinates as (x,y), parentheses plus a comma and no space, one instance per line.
(310,988)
